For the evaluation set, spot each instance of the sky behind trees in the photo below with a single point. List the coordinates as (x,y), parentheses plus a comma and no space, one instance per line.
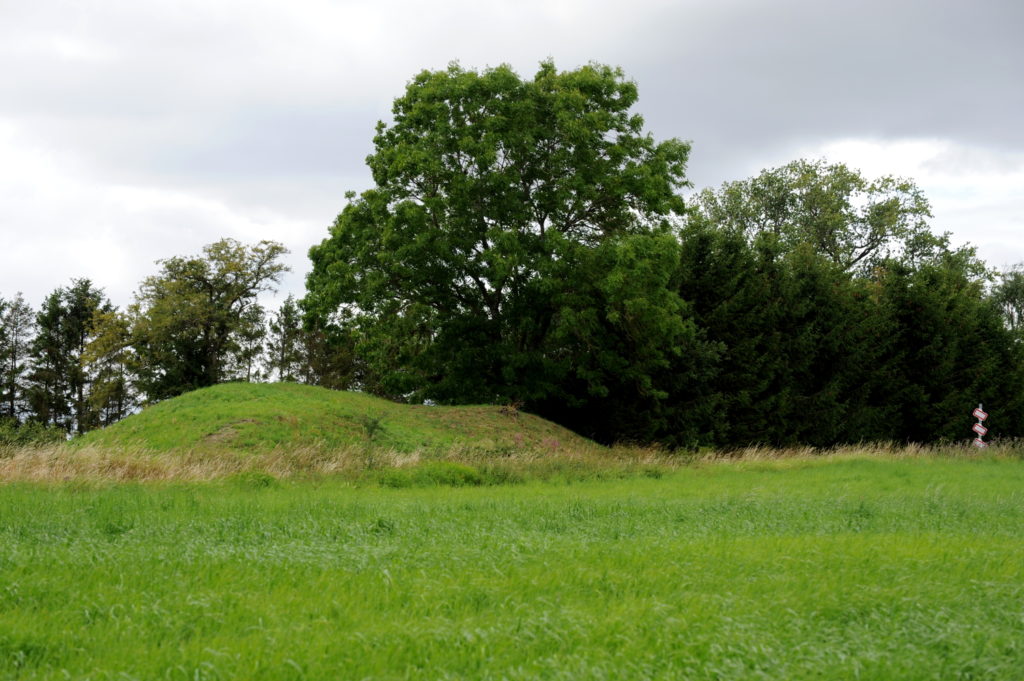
(136,131)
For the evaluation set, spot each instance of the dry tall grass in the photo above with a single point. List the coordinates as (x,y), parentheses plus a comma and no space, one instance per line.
(62,463)
(998,449)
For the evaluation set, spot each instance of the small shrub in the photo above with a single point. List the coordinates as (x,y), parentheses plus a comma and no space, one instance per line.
(14,434)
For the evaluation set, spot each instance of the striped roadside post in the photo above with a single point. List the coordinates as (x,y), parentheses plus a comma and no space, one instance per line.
(978,428)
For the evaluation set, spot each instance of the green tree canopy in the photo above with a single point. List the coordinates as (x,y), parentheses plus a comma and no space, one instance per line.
(1009,295)
(523,244)
(190,322)
(851,220)
(110,361)
(59,382)
(450,272)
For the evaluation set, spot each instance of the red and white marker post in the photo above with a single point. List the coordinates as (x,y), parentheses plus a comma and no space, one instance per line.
(978,428)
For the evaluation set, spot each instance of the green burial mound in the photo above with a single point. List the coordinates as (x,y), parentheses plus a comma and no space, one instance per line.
(262,417)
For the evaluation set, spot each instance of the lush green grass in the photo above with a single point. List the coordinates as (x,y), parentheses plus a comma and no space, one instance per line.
(801,569)
(258,417)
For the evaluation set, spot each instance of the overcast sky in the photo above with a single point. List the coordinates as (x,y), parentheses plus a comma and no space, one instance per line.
(132,130)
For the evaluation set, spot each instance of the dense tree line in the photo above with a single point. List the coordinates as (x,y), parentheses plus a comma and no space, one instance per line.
(525,243)
(79,363)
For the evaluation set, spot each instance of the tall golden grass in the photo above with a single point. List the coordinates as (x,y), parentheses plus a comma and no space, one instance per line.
(61,463)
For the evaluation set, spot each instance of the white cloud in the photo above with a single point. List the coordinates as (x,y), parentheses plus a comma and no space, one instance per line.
(131,131)
(60,223)
(975,193)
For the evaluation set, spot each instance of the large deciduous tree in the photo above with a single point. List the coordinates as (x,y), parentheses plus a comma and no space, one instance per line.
(110,360)
(1009,295)
(521,244)
(493,194)
(189,323)
(852,221)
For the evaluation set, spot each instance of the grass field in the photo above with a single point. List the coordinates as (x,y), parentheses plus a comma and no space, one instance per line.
(826,568)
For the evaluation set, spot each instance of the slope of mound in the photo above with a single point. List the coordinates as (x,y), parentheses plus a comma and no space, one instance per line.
(261,417)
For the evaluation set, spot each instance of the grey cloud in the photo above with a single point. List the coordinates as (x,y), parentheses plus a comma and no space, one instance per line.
(967,161)
(733,76)
(271,107)
(765,75)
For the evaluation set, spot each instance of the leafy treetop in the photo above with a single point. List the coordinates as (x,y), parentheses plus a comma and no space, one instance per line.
(489,188)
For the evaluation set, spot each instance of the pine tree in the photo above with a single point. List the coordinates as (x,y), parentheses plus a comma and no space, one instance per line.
(59,383)
(285,356)
(246,346)
(17,325)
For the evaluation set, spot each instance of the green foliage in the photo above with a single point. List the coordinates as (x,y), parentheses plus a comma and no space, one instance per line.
(111,363)
(285,357)
(801,569)
(329,358)
(519,247)
(882,333)
(246,350)
(852,221)
(951,350)
(197,323)
(1009,296)
(452,275)
(59,383)
(791,353)
(434,474)
(628,341)
(17,327)
(15,434)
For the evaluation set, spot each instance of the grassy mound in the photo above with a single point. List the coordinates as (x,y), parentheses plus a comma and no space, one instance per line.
(263,417)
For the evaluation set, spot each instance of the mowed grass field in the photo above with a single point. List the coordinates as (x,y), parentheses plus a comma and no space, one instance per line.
(807,568)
